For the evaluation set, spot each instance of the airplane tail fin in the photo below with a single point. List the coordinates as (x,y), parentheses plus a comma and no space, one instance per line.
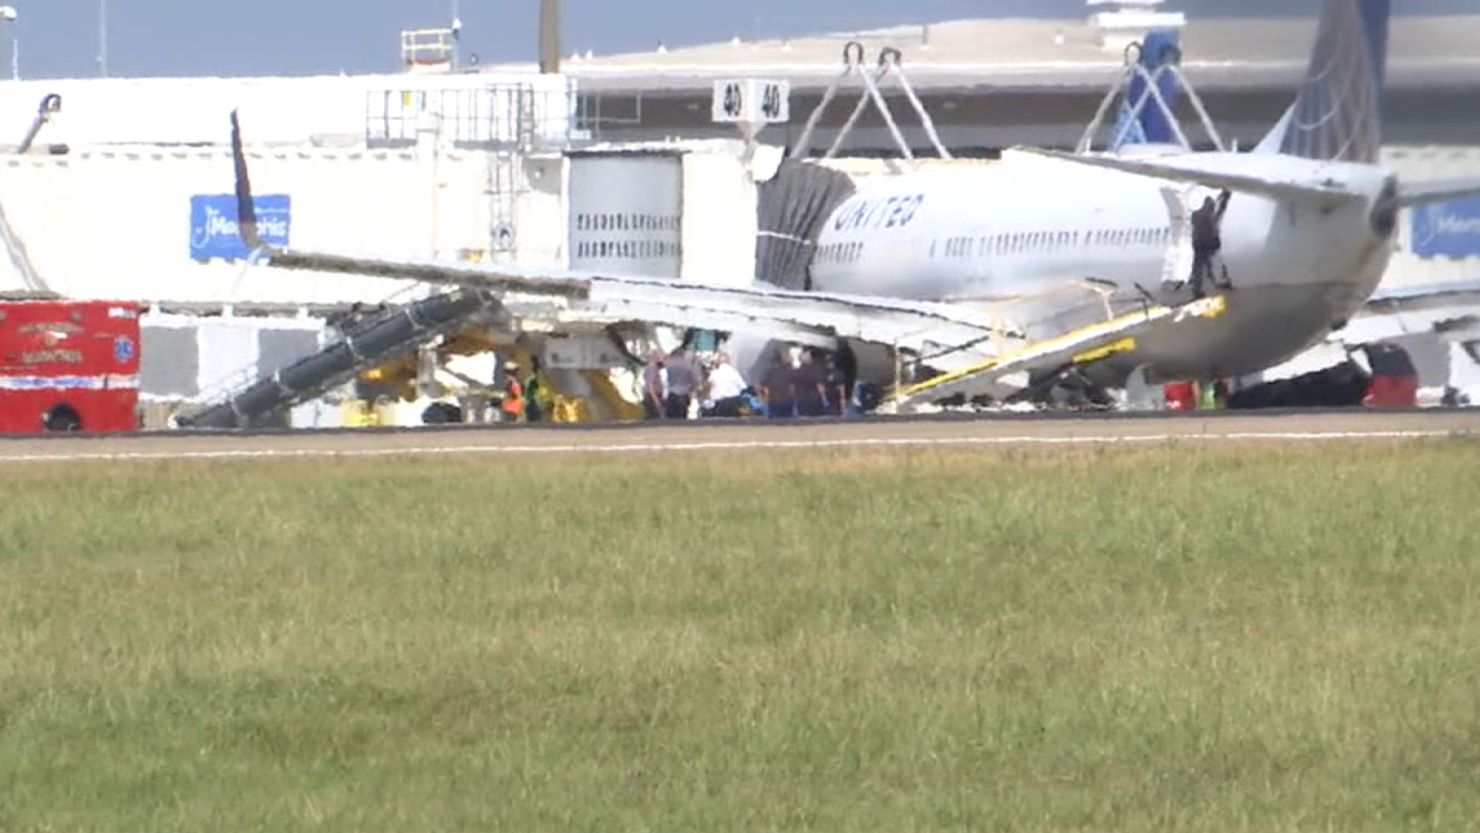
(1338,114)
(246,209)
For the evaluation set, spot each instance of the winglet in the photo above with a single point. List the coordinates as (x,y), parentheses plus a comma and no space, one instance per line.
(246,209)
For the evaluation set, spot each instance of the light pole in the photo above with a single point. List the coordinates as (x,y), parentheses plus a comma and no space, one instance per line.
(456,35)
(549,36)
(8,15)
(103,38)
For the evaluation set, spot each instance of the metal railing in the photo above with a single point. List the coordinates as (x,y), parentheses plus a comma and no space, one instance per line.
(428,48)
(499,116)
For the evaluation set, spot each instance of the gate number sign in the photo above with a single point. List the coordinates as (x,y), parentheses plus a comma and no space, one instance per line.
(752,101)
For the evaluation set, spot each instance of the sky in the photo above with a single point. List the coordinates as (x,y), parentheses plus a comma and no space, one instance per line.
(60,38)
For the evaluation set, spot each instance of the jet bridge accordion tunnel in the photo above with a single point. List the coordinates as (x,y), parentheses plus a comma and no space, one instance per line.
(793,206)
(378,341)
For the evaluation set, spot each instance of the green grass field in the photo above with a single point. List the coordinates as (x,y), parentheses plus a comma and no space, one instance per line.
(1259,638)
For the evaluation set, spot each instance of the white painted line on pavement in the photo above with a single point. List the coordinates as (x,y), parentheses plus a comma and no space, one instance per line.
(755,445)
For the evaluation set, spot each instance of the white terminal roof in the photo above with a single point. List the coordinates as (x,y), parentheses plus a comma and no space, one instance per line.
(1028,54)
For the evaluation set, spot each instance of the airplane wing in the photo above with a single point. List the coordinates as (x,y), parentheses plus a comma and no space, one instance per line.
(1287,186)
(1450,311)
(1445,308)
(1423,193)
(949,335)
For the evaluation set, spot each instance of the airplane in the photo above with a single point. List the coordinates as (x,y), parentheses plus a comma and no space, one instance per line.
(989,275)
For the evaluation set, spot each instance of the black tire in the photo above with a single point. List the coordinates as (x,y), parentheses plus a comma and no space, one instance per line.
(62,419)
(442,413)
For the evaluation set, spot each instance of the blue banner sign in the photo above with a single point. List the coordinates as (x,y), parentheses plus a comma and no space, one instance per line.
(213,225)
(1447,229)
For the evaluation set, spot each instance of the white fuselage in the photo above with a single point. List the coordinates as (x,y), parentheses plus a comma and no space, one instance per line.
(1025,236)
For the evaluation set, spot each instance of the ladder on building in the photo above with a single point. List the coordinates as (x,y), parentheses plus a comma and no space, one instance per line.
(504,176)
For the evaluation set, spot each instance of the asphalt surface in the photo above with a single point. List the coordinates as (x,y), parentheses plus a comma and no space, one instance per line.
(1034,430)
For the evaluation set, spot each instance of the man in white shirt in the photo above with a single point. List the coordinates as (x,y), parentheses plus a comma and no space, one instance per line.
(725,389)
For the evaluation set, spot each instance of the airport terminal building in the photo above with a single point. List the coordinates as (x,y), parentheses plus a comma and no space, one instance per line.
(121,188)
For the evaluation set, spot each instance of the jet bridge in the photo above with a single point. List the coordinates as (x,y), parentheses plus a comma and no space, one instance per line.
(383,338)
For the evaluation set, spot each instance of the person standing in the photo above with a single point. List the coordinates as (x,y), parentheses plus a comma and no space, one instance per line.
(1207,243)
(653,389)
(810,386)
(511,404)
(845,361)
(534,393)
(726,389)
(779,389)
(683,381)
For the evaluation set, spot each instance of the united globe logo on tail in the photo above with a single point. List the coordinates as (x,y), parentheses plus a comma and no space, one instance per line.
(1338,115)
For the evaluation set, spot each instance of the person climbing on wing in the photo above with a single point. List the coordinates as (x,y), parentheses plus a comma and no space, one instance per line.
(1207,242)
